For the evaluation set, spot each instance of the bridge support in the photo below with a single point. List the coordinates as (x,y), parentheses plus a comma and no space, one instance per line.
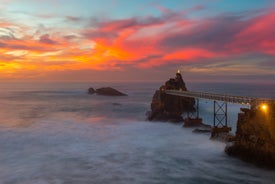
(195,114)
(192,118)
(197,108)
(220,119)
(220,114)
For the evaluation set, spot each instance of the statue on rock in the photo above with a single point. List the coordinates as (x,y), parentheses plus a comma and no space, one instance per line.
(166,107)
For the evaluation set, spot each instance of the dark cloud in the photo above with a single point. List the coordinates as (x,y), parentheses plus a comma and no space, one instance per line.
(47,40)
(269,63)
(111,28)
(93,34)
(117,25)
(74,19)
(214,34)
(70,37)
(22,45)
(2,45)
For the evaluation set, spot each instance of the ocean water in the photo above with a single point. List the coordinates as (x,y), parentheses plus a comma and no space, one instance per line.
(55,133)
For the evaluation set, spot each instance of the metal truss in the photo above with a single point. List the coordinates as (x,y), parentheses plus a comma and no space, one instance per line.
(220,114)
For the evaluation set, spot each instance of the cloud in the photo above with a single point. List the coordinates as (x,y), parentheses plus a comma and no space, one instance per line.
(171,39)
(74,18)
(47,40)
(257,36)
(181,39)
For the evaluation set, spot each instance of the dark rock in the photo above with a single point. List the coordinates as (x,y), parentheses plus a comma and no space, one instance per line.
(255,136)
(202,130)
(226,137)
(197,122)
(108,91)
(192,122)
(222,133)
(91,91)
(166,107)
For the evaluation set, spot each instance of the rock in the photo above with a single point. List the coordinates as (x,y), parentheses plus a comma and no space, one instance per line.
(108,91)
(166,107)
(255,136)
(202,130)
(91,91)
(226,137)
(193,122)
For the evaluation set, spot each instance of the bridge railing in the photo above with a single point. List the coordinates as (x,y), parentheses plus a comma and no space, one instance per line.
(244,100)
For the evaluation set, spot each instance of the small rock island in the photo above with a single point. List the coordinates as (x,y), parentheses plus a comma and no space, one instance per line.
(170,108)
(106,91)
(255,135)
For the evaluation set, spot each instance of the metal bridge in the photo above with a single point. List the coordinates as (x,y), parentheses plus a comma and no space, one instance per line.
(220,103)
(244,100)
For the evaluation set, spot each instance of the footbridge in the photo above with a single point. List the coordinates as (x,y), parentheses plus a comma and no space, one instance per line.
(220,103)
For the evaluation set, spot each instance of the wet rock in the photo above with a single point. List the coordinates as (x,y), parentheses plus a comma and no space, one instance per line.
(170,108)
(108,91)
(202,130)
(194,122)
(226,137)
(255,136)
(91,91)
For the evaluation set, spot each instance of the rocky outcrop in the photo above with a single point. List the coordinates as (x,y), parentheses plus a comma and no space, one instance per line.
(255,136)
(166,107)
(91,91)
(106,91)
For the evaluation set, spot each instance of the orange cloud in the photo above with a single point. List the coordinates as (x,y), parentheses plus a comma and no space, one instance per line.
(135,42)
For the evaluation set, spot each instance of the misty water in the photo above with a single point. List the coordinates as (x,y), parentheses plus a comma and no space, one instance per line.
(55,133)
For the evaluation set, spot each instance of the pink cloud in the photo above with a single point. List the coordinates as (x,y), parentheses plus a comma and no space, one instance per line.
(258,36)
(147,42)
(178,40)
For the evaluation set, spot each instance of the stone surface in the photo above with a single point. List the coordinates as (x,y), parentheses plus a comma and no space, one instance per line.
(106,91)
(166,107)
(91,91)
(202,130)
(255,136)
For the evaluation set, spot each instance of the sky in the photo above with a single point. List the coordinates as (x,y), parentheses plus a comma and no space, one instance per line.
(138,40)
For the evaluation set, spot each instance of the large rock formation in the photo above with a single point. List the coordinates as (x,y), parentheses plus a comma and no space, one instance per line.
(166,107)
(107,91)
(255,136)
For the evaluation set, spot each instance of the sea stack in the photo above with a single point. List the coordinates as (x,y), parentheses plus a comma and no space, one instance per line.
(170,108)
(106,91)
(255,135)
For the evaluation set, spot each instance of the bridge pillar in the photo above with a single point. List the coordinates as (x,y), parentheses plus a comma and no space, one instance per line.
(195,114)
(220,119)
(220,114)
(193,118)
(197,108)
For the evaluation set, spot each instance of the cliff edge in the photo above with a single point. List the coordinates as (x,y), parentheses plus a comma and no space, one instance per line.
(166,107)
(255,136)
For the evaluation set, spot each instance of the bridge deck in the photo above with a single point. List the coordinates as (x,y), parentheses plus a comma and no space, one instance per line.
(219,97)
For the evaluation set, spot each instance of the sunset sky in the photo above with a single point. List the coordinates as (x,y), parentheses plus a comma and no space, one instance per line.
(127,40)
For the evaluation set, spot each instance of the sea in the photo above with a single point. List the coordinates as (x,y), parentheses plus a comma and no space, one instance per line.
(56,133)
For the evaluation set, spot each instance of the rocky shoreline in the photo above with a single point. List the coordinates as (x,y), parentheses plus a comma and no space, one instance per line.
(254,140)
(255,136)
(170,108)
